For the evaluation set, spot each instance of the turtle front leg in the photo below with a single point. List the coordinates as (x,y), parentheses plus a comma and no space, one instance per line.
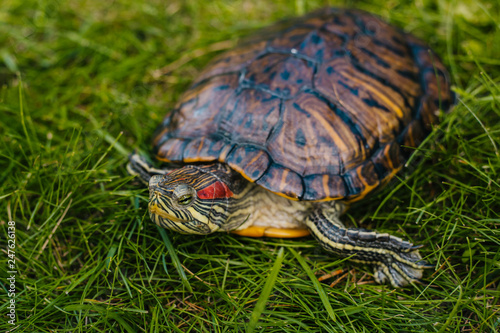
(138,166)
(395,260)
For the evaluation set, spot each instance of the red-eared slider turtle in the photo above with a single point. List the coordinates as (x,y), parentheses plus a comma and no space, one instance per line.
(278,135)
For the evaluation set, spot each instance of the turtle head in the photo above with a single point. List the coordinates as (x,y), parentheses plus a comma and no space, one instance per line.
(189,200)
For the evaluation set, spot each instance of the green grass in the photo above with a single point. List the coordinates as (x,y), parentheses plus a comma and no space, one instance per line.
(80,87)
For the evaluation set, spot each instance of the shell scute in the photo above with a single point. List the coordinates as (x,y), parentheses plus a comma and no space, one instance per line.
(250,161)
(324,187)
(303,139)
(361,180)
(388,66)
(197,114)
(280,74)
(253,113)
(387,160)
(321,46)
(375,111)
(282,181)
(203,149)
(172,150)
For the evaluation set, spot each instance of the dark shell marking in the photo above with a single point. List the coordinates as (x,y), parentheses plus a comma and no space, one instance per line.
(317,109)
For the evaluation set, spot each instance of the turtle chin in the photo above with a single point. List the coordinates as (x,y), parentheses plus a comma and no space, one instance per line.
(198,228)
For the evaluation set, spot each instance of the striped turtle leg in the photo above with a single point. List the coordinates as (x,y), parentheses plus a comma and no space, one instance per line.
(395,260)
(138,166)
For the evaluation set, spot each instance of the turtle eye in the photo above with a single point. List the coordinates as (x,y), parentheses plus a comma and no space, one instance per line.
(183,196)
(185,200)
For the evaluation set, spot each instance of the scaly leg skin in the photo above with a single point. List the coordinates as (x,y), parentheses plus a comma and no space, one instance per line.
(139,167)
(395,260)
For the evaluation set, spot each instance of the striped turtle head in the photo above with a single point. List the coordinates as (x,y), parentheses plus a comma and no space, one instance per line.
(189,200)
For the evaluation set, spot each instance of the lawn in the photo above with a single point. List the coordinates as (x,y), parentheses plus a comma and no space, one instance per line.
(83,83)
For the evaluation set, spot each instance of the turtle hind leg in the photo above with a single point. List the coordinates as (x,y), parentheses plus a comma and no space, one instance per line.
(395,260)
(138,166)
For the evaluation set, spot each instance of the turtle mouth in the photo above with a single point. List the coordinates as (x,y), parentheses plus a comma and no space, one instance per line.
(165,220)
(153,209)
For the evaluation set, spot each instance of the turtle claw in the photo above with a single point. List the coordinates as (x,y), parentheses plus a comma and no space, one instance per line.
(397,276)
(402,269)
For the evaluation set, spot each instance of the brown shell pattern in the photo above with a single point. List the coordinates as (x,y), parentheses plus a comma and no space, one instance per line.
(318,108)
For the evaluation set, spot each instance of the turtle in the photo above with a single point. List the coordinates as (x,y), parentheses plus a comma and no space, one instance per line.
(279,135)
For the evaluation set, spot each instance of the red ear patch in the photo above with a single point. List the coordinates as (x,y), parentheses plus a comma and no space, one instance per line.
(217,190)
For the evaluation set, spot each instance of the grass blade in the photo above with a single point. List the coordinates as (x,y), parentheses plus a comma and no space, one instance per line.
(319,288)
(266,291)
(175,258)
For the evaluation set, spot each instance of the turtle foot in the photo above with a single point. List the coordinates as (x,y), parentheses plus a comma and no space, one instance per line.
(400,269)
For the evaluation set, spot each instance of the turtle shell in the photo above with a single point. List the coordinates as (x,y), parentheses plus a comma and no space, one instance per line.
(323,107)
